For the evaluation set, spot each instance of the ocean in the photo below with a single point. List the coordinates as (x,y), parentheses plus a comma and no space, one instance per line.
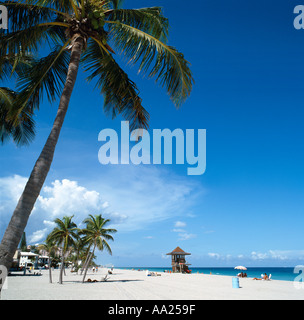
(277,273)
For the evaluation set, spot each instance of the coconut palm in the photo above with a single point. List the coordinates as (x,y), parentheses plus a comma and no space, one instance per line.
(77,253)
(97,236)
(64,235)
(48,247)
(20,127)
(81,31)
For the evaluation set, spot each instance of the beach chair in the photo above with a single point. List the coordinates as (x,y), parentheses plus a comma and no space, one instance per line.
(105,278)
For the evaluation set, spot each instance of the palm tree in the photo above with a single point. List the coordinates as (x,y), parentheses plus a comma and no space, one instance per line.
(21,127)
(96,235)
(78,252)
(64,235)
(80,32)
(48,247)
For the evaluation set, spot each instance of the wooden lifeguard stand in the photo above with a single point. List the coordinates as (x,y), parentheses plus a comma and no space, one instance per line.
(178,261)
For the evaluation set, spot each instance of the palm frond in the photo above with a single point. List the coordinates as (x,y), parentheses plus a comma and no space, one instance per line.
(29,40)
(47,74)
(25,15)
(103,244)
(149,20)
(27,29)
(22,128)
(121,95)
(116,4)
(156,59)
(60,5)
(10,64)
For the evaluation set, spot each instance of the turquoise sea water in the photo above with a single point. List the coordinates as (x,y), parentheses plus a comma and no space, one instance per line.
(285,274)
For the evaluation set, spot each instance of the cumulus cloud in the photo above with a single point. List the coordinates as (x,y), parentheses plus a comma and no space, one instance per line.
(61,198)
(10,191)
(67,198)
(132,198)
(13,186)
(38,236)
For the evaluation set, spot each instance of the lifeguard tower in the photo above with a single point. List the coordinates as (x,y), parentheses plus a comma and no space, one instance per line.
(178,261)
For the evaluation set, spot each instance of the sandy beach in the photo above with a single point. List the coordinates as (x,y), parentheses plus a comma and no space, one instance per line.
(136,285)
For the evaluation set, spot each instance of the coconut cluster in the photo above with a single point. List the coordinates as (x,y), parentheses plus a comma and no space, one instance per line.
(97,19)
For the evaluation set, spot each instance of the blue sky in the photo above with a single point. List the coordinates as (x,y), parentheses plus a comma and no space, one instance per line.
(247,208)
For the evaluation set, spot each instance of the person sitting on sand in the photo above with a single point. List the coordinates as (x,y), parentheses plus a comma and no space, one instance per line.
(264,277)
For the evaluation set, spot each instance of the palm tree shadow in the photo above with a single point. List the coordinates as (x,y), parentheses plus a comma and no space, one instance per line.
(107,281)
(122,280)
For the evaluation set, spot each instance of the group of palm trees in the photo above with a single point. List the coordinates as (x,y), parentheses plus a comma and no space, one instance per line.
(77,244)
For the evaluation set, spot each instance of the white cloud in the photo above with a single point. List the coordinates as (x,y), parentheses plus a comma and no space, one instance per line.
(38,236)
(214,255)
(51,224)
(10,191)
(186,236)
(270,255)
(105,205)
(178,230)
(180,224)
(61,198)
(277,255)
(146,194)
(68,198)
(13,187)
(182,233)
(132,197)
(258,256)
(165,256)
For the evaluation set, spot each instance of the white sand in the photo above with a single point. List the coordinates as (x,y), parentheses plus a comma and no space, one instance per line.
(135,285)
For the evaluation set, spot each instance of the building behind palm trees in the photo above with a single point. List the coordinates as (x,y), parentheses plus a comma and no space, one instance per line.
(25,258)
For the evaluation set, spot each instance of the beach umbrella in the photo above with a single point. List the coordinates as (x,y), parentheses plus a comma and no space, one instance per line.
(240,268)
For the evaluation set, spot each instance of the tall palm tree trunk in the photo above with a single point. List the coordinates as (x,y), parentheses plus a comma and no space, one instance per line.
(50,269)
(61,267)
(34,185)
(88,263)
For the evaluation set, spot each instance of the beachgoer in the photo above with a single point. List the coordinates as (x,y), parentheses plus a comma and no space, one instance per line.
(263,277)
